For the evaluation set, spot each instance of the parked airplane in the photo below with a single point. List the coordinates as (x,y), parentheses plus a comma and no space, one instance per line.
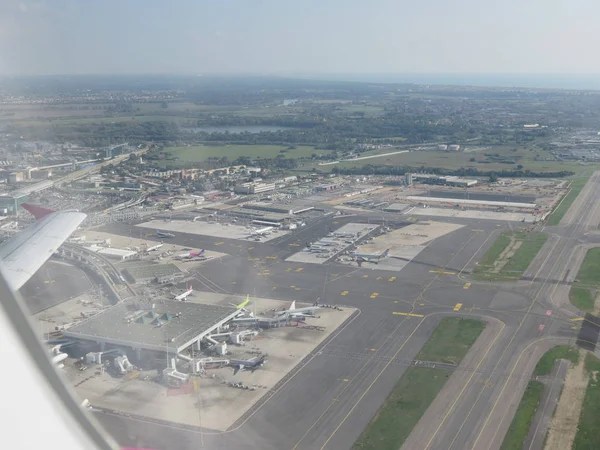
(260,232)
(371,256)
(162,234)
(343,235)
(251,364)
(186,294)
(294,312)
(154,247)
(24,253)
(190,255)
(244,303)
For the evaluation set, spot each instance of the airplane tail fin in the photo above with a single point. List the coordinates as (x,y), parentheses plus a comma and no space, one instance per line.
(293,305)
(37,211)
(190,289)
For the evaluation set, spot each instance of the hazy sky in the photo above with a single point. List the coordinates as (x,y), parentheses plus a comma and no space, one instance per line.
(299,36)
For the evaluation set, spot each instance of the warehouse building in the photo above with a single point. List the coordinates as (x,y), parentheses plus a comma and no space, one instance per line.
(253,188)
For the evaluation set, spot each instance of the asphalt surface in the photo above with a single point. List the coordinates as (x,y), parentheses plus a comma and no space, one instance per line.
(332,398)
(54,283)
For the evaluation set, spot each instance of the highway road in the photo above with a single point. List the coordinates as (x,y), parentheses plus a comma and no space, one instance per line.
(327,403)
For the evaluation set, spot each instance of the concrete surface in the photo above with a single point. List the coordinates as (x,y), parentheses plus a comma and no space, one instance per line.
(473,214)
(218,230)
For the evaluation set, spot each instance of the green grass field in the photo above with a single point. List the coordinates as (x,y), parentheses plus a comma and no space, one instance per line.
(582,294)
(199,153)
(582,298)
(546,362)
(418,386)
(590,268)
(576,186)
(515,265)
(519,427)
(588,429)
(403,408)
(451,340)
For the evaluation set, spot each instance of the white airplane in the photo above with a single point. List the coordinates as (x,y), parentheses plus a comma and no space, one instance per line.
(24,253)
(186,294)
(154,247)
(371,256)
(260,232)
(299,312)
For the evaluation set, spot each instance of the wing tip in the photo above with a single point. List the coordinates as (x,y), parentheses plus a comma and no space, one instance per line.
(38,212)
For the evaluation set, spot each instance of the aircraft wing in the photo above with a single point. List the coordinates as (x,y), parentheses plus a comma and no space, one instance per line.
(23,254)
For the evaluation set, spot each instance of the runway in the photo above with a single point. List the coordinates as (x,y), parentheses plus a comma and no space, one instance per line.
(327,403)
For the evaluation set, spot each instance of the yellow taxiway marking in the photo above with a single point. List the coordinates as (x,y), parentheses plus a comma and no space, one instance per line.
(365,276)
(576,319)
(48,281)
(270,257)
(477,231)
(407,314)
(133,375)
(234,282)
(467,286)
(344,293)
(379,278)
(392,279)
(299,269)
(288,269)
(293,287)
(457,307)
(345,380)
(253,259)
(219,243)
(442,272)
(373,349)
(294,245)
(335,221)
(273,288)
(297,289)
(374,294)
(195,384)
(576,327)
(250,248)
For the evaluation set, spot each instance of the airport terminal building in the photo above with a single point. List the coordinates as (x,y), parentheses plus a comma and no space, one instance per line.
(167,326)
